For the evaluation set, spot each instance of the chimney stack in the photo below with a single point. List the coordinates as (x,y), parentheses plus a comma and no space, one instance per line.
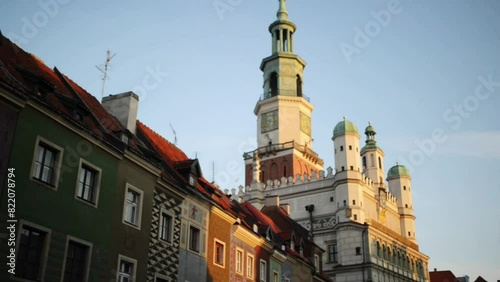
(124,107)
(286,207)
(272,201)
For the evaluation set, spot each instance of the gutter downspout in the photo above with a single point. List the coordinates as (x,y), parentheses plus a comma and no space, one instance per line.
(363,246)
(310,209)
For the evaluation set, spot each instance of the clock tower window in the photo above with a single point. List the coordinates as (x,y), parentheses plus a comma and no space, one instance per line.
(299,86)
(274,84)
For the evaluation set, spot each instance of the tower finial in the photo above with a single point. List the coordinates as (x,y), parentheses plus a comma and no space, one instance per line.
(282,12)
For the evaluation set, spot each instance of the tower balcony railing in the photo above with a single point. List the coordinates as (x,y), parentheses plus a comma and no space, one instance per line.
(272,148)
(291,93)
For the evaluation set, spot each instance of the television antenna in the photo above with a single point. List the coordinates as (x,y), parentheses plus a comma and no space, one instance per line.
(175,134)
(105,70)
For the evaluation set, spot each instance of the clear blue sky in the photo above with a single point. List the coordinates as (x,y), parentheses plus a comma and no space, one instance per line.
(417,75)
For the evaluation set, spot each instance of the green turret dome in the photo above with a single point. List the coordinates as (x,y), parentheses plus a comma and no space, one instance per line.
(344,127)
(398,171)
(370,129)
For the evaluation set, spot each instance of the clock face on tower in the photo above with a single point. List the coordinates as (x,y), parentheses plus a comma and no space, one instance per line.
(269,121)
(305,123)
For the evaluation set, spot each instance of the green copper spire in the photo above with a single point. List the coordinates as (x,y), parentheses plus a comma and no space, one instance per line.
(282,12)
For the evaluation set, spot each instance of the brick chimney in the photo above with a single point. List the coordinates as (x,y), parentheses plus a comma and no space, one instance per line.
(124,107)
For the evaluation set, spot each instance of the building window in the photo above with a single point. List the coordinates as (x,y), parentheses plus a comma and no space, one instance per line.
(161,278)
(126,269)
(355,217)
(316,262)
(77,261)
(352,167)
(219,252)
(345,203)
(350,147)
(404,188)
(372,160)
(133,206)
(406,205)
(343,168)
(364,163)
(354,202)
(358,251)
(46,163)
(341,148)
(332,253)
(409,233)
(33,244)
(239,261)
(250,266)
(276,276)
(379,163)
(263,270)
(299,86)
(166,227)
(89,178)
(274,84)
(194,239)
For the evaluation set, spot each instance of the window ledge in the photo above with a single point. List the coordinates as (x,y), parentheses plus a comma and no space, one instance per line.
(43,184)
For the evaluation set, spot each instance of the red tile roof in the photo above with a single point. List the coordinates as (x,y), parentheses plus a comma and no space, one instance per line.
(175,160)
(442,276)
(262,218)
(28,75)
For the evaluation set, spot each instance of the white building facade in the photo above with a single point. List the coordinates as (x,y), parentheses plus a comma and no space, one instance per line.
(362,217)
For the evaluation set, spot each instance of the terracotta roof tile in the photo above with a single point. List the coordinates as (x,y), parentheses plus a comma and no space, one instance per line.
(442,276)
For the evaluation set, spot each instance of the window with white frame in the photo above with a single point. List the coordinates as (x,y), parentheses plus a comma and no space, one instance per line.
(219,252)
(239,261)
(250,266)
(77,260)
(316,262)
(31,252)
(126,269)
(166,227)
(89,178)
(276,276)
(263,271)
(194,239)
(46,162)
(133,206)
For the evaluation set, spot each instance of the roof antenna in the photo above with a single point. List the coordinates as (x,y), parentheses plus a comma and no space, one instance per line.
(105,71)
(175,134)
(213,171)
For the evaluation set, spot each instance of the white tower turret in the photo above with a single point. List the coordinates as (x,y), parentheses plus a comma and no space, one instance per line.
(372,158)
(400,186)
(348,192)
(346,146)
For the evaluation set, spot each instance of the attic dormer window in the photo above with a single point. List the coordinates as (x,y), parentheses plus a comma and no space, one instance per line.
(192,181)
(78,116)
(124,137)
(269,234)
(301,247)
(292,242)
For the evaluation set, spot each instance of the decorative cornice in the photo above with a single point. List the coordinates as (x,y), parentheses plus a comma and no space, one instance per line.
(222,214)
